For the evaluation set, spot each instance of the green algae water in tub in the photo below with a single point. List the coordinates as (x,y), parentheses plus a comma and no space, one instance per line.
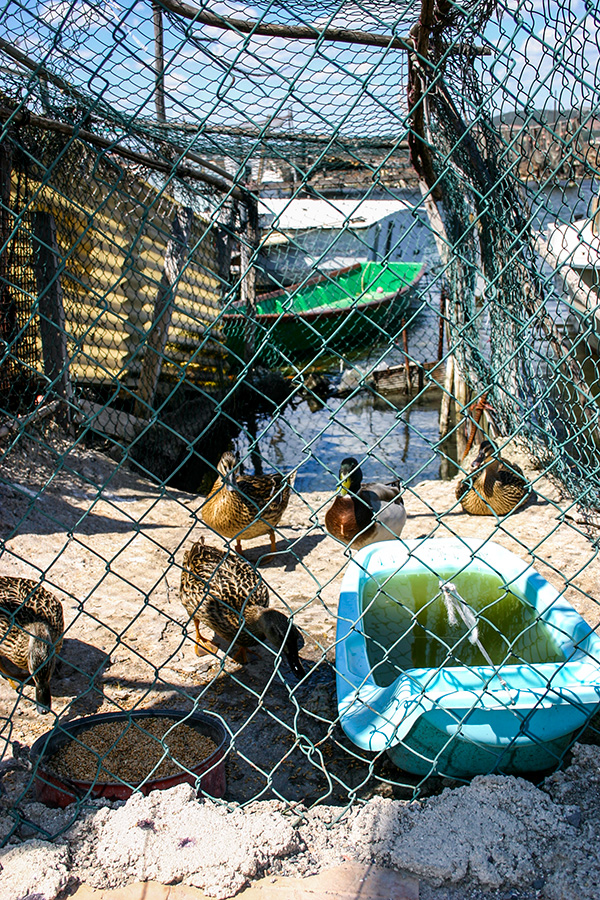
(461,688)
(406,625)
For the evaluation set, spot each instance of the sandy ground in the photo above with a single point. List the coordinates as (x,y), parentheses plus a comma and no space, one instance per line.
(110,544)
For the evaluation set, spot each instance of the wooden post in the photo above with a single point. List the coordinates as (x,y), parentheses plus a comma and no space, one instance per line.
(595,212)
(406,360)
(443,314)
(460,405)
(50,306)
(453,378)
(156,339)
(159,63)
(446,397)
(7,307)
(224,238)
(248,244)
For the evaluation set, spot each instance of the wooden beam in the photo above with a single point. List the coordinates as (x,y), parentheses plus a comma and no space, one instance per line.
(248,245)
(46,75)
(50,306)
(156,339)
(23,117)
(111,421)
(304,32)
(159,63)
(40,412)
(297,32)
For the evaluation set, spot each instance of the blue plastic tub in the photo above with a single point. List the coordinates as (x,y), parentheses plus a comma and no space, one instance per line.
(519,715)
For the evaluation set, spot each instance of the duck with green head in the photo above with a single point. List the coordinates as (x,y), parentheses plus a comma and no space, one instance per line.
(364,513)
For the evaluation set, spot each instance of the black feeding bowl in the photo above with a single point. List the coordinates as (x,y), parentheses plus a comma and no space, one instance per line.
(57,790)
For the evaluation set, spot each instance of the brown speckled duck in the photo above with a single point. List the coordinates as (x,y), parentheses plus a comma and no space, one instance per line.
(495,486)
(223,592)
(31,634)
(245,506)
(364,513)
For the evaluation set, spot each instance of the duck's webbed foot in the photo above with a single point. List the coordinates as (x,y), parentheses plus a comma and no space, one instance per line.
(243,655)
(203,645)
(240,656)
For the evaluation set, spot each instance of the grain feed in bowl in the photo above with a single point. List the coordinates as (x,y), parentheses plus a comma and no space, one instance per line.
(131,751)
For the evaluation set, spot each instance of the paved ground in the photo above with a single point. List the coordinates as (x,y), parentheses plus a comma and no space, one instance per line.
(348,882)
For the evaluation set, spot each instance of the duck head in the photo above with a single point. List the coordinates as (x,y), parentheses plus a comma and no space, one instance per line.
(276,629)
(41,660)
(350,476)
(485,455)
(226,469)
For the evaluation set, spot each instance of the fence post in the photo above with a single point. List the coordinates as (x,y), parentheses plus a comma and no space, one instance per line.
(446,397)
(248,244)
(156,338)
(159,63)
(7,308)
(224,237)
(50,306)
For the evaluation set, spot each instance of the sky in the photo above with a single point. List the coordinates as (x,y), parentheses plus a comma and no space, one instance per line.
(543,54)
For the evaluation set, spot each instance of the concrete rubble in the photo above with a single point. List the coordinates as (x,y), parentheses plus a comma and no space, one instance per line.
(498,832)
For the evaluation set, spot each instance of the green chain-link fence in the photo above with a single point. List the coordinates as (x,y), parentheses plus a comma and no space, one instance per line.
(303,233)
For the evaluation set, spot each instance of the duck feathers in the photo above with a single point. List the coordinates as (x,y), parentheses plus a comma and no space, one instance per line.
(367,512)
(31,633)
(218,587)
(222,591)
(245,506)
(495,487)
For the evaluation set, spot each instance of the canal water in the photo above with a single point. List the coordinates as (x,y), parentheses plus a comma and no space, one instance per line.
(393,436)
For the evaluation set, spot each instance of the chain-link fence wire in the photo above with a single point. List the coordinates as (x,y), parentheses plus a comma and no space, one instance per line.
(321,232)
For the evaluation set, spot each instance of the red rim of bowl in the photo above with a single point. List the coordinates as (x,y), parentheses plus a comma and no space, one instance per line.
(46,745)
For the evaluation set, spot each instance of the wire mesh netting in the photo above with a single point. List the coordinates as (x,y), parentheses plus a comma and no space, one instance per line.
(246,256)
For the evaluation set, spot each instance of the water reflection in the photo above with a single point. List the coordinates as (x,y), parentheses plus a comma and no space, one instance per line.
(397,437)
(399,434)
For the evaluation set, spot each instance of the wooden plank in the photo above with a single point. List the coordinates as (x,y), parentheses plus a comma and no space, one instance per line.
(50,306)
(99,354)
(113,270)
(422,376)
(8,315)
(159,63)
(176,255)
(96,374)
(111,421)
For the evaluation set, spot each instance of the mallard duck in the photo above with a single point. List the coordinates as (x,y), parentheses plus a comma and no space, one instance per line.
(245,506)
(222,591)
(495,486)
(364,513)
(31,634)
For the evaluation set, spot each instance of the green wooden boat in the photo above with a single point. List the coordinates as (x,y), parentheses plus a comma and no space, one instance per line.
(342,311)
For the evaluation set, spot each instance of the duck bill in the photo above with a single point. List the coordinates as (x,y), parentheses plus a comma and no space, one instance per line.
(293,659)
(43,699)
(345,488)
